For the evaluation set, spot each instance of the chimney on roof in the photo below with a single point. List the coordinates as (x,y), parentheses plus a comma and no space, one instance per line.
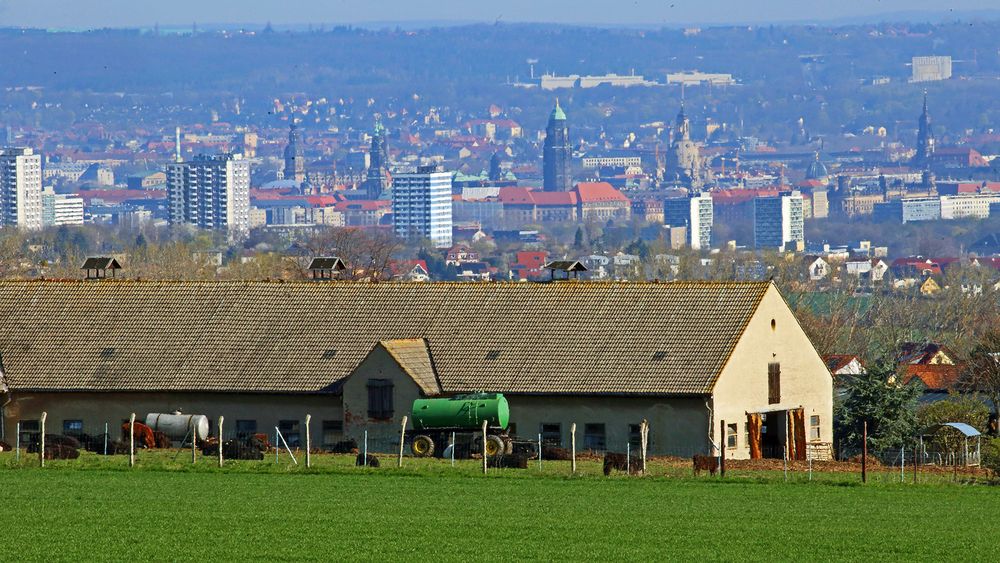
(325,268)
(97,267)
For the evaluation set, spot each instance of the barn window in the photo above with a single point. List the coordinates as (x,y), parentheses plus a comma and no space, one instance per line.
(594,437)
(552,433)
(290,430)
(814,427)
(380,398)
(72,427)
(635,435)
(333,431)
(246,428)
(773,383)
(731,430)
(29,431)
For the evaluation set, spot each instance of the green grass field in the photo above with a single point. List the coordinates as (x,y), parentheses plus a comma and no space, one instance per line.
(97,508)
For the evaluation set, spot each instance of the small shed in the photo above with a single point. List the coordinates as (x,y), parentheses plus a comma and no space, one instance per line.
(97,267)
(573,267)
(969,455)
(326,267)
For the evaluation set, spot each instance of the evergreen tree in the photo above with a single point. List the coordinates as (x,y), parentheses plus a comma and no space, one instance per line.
(887,406)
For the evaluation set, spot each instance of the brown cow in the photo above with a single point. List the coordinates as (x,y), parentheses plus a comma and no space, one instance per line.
(621,462)
(143,435)
(371,461)
(705,462)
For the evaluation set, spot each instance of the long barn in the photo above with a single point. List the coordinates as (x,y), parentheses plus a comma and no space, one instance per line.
(706,363)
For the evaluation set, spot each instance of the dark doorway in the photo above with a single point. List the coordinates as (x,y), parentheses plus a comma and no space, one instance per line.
(772,434)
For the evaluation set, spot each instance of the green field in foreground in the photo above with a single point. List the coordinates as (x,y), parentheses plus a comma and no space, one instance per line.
(432,511)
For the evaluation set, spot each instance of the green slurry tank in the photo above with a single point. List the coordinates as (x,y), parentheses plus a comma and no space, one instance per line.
(434,421)
(462,412)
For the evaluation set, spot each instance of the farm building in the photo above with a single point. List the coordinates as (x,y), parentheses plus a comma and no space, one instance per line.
(688,357)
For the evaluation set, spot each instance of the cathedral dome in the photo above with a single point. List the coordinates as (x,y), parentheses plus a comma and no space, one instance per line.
(817,170)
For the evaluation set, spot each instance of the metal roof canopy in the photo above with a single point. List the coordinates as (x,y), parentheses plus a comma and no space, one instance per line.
(960,426)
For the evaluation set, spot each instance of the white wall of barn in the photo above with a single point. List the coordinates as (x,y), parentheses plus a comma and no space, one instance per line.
(742,387)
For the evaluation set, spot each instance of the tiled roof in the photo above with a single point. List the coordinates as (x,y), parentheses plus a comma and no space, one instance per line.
(623,338)
(589,192)
(934,377)
(837,362)
(413,356)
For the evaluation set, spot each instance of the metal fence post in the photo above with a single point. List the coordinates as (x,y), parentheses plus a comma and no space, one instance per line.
(194,442)
(17,442)
(277,444)
(453,446)
(572,438)
(722,450)
(864,452)
(365,458)
(106,430)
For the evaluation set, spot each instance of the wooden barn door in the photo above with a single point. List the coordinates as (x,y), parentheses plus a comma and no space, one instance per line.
(753,427)
(797,434)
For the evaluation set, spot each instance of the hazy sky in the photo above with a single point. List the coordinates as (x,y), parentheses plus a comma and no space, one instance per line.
(135,13)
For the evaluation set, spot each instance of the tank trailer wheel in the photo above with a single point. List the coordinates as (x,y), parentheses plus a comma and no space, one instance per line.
(494,446)
(422,446)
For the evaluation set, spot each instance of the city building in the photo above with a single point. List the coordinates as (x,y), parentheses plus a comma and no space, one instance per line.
(929,69)
(778,222)
(421,205)
(969,205)
(20,188)
(624,160)
(556,153)
(61,209)
(601,201)
(554,82)
(378,178)
(695,78)
(909,209)
(695,213)
(210,192)
(295,159)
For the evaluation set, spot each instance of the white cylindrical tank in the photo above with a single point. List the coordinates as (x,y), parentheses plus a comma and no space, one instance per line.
(177,426)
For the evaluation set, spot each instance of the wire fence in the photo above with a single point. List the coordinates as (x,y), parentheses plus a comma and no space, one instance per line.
(302,443)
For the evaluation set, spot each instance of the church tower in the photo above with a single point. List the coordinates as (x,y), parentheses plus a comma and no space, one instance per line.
(377,179)
(556,153)
(295,161)
(925,138)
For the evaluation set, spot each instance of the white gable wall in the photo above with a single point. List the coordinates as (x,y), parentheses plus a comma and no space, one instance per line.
(742,385)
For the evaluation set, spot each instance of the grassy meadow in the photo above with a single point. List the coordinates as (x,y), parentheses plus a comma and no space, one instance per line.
(167,509)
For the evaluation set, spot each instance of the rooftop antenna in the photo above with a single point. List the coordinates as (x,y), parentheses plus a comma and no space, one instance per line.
(531,64)
(177,145)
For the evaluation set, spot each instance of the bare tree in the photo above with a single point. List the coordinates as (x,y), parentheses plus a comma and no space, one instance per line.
(982,367)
